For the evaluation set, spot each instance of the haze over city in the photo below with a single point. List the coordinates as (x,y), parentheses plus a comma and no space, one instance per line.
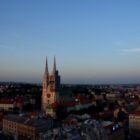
(94,41)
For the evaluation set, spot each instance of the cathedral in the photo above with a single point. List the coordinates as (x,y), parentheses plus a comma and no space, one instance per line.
(51,88)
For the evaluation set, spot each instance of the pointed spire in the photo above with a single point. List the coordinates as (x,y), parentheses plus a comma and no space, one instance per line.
(54,65)
(46,67)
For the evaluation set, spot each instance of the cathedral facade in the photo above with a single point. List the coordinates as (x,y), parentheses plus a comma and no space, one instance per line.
(51,88)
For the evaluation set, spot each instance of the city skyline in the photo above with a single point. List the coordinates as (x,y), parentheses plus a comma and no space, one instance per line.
(95,42)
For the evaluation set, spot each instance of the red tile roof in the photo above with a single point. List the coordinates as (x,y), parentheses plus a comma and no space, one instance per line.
(12,101)
(6,101)
(136,112)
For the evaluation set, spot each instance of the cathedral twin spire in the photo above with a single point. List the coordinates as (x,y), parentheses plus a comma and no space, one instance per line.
(46,68)
(54,67)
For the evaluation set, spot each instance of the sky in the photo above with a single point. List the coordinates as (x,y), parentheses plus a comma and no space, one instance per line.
(94,41)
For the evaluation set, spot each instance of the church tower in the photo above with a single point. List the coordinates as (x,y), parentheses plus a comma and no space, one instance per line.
(51,87)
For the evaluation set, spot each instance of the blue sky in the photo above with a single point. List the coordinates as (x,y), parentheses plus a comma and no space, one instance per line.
(94,41)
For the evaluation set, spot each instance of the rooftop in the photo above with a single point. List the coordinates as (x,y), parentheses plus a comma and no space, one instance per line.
(40,124)
(136,113)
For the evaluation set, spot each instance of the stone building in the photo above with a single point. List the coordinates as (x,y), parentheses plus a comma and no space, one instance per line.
(51,88)
(23,127)
(134,124)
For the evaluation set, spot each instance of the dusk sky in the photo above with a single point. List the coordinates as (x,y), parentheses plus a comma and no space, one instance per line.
(94,41)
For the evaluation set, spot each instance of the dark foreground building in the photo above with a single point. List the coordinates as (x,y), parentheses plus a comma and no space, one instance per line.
(22,127)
